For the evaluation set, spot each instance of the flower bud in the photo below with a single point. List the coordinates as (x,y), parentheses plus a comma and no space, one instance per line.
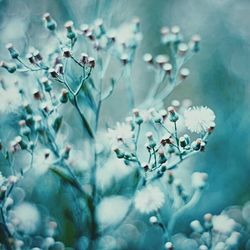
(31,58)
(84,58)
(66,52)
(182,142)
(53,73)
(173,116)
(118,152)
(27,107)
(49,22)
(84,28)
(167,67)
(170,177)
(59,68)
(64,97)
(13,52)
(184,73)
(196,43)
(46,83)
(137,117)
(162,157)
(182,49)
(145,166)
(71,34)
(11,68)
(91,62)
(161,60)
(21,143)
(203,247)
(124,58)
(148,58)
(196,226)
(24,129)
(169,246)
(38,57)
(151,141)
(38,126)
(208,221)
(196,145)
(153,220)
(66,152)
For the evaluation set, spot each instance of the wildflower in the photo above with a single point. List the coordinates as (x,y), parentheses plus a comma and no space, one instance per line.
(27,217)
(199,180)
(199,119)
(223,224)
(122,131)
(105,212)
(149,199)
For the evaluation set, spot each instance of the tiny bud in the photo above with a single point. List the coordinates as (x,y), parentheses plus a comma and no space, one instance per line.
(13,52)
(182,142)
(38,123)
(37,55)
(46,84)
(145,166)
(27,107)
(165,31)
(137,116)
(71,34)
(151,141)
(11,68)
(66,53)
(49,22)
(196,42)
(169,246)
(161,60)
(124,58)
(84,58)
(184,73)
(53,73)
(64,96)
(37,94)
(59,68)
(153,220)
(84,28)
(175,30)
(167,67)
(173,116)
(182,49)
(118,152)
(148,58)
(203,247)
(89,35)
(66,152)
(196,226)
(91,62)
(31,58)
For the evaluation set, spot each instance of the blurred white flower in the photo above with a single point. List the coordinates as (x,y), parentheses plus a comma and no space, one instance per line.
(122,130)
(199,180)
(10,100)
(112,209)
(199,119)
(223,224)
(27,217)
(42,161)
(149,199)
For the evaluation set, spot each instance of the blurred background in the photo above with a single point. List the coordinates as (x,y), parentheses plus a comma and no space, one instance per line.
(219,73)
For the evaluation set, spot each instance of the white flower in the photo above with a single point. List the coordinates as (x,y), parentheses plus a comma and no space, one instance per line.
(149,199)
(27,217)
(223,224)
(199,180)
(10,100)
(199,119)
(112,209)
(122,130)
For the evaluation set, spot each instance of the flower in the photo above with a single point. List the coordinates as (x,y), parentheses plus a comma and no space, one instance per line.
(149,199)
(199,180)
(10,100)
(122,131)
(199,119)
(223,224)
(106,213)
(27,217)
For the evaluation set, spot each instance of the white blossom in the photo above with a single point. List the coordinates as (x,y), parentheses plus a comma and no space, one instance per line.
(27,217)
(223,224)
(199,180)
(122,130)
(199,119)
(149,199)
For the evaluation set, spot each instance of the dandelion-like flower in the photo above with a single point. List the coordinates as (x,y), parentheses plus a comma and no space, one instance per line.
(122,131)
(223,224)
(149,199)
(199,119)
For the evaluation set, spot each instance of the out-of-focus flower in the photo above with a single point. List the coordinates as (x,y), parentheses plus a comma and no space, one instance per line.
(27,217)
(42,161)
(149,199)
(106,213)
(199,180)
(10,100)
(122,131)
(199,119)
(223,224)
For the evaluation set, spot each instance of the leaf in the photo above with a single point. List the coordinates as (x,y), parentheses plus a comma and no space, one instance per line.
(57,123)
